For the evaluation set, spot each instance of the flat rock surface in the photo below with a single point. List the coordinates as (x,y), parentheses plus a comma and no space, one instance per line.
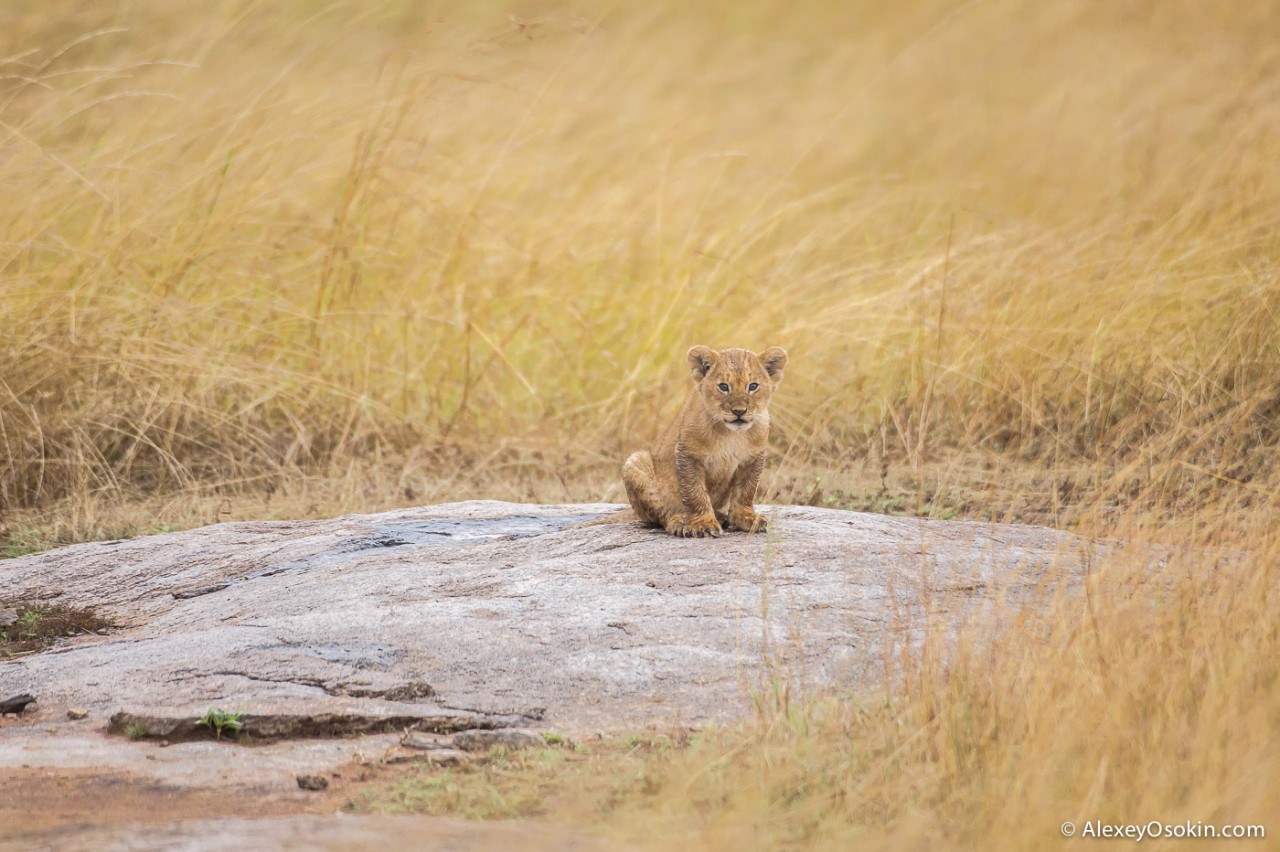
(493,614)
(481,615)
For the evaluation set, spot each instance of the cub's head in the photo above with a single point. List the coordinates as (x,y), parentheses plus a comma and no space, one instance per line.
(735,384)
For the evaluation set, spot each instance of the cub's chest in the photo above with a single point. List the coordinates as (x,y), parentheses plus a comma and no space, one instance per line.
(731,451)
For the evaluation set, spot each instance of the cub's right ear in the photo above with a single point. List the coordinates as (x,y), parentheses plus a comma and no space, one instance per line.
(701,360)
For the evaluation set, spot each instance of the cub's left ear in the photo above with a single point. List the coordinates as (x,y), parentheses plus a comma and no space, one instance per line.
(774,360)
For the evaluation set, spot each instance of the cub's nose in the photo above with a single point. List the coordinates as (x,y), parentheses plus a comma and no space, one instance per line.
(738,412)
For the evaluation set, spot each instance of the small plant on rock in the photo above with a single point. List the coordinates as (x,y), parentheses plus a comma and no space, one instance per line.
(220,720)
(29,622)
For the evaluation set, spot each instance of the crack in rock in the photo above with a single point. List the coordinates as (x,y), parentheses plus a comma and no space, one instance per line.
(187,594)
(404,692)
(534,714)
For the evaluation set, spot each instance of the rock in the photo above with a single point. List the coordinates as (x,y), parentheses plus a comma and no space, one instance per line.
(16,705)
(426,742)
(447,757)
(75,714)
(313,782)
(415,753)
(437,750)
(474,740)
(511,738)
(486,615)
(285,725)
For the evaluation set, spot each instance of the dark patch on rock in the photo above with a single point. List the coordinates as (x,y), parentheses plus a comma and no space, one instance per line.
(36,625)
(313,782)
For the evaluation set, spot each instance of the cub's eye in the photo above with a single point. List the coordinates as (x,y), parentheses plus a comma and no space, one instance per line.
(724,388)
(753,387)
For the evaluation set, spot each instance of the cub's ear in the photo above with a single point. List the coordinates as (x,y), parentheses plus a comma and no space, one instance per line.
(701,360)
(774,360)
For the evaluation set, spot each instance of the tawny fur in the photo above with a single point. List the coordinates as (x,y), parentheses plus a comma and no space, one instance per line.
(700,477)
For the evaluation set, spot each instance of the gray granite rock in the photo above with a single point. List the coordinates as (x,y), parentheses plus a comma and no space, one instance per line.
(486,615)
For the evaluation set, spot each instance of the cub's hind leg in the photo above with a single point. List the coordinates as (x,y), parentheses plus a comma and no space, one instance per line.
(642,488)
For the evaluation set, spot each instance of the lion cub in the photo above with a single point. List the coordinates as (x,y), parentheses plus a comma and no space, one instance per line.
(700,477)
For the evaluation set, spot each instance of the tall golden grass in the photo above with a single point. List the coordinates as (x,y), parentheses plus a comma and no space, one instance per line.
(354,255)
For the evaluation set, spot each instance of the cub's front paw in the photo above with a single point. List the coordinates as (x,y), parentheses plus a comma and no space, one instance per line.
(695,527)
(745,518)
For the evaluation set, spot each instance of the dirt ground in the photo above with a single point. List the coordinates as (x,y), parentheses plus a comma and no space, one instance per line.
(98,808)
(36,800)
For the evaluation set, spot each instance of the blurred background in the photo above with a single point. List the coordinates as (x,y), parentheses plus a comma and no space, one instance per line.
(297,258)
(348,256)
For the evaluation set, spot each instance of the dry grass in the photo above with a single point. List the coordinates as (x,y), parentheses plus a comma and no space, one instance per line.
(289,258)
